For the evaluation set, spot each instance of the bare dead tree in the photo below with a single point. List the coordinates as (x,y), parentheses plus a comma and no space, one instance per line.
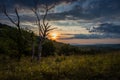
(43,27)
(17,24)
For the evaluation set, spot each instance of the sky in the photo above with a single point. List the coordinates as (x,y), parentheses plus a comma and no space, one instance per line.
(77,21)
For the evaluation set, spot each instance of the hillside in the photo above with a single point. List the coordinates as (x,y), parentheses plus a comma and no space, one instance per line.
(8,45)
(63,61)
(8,40)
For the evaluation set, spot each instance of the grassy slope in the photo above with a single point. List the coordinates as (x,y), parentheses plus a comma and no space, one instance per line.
(85,67)
(8,39)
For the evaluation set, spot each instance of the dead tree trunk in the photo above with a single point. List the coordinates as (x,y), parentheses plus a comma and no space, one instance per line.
(39,51)
(43,27)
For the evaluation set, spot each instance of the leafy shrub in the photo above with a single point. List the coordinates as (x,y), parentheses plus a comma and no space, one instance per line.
(67,49)
(48,48)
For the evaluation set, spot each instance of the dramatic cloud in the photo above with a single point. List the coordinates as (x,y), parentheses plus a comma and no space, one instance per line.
(91,36)
(74,17)
(76,9)
(107,28)
(90,9)
(31,3)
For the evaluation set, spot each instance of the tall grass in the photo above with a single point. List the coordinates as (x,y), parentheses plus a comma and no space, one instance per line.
(84,67)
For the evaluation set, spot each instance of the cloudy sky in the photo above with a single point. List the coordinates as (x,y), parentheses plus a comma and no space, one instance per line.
(77,21)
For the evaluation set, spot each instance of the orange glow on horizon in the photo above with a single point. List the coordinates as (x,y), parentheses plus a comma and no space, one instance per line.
(53,36)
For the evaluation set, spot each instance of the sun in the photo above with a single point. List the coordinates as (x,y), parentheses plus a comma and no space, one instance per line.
(53,36)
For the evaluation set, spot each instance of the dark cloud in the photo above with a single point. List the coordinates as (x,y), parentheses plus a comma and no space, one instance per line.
(91,36)
(95,36)
(84,9)
(107,28)
(31,3)
(91,9)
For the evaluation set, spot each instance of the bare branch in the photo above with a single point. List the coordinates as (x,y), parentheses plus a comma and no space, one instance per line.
(18,17)
(51,6)
(35,4)
(45,15)
(7,15)
(38,20)
(50,29)
(48,26)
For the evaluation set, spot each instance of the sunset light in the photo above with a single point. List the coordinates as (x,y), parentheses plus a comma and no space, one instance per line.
(53,36)
(59,39)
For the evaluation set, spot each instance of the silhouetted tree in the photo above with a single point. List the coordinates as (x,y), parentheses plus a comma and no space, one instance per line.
(17,24)
(43,26)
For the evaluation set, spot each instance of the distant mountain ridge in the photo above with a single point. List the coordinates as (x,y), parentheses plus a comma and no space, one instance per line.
(100,45)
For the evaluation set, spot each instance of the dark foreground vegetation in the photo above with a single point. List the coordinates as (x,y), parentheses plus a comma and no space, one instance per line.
(84,67)
(59,61)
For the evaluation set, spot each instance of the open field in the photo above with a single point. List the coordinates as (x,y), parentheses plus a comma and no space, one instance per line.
(82,67)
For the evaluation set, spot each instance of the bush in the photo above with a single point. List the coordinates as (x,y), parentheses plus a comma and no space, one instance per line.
(67,49)
(48,48)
